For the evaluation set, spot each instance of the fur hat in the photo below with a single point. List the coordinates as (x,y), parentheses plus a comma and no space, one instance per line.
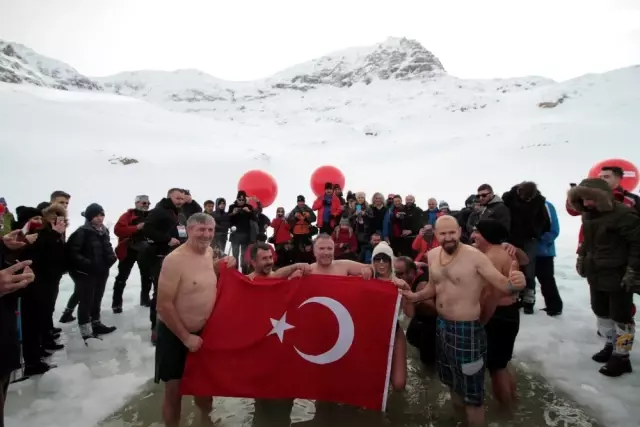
(595,189)
(53,211)
(493,231)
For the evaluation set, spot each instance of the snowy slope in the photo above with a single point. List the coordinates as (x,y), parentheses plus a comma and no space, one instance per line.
(438,137)
(19,64)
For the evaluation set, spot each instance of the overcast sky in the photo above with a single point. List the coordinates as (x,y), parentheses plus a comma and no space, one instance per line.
(250,39)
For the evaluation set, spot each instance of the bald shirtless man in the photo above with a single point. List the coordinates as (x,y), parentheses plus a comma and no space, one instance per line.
(500,311)
(261,259)
(186,296)
(457,274)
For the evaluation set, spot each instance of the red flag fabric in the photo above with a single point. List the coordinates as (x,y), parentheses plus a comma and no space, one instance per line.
(326,338)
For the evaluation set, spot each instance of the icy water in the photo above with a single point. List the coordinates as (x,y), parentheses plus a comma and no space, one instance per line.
(425,403)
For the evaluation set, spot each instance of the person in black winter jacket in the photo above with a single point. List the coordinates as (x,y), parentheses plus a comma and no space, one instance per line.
(11,285)
(241,216)
(463,218)
(47,253)
(529,220)
(190,206)
(90,258)
(165,232)
(222,223)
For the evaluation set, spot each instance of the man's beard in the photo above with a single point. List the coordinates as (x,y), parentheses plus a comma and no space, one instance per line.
(450,247)
(267,269)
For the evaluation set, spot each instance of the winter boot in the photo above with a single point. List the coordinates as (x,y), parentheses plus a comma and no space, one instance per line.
(116,302)
(553,313)
(528,301)
(100,329)
(619,363)
(145,301)
(52,346)
(67,316)
(56,331)
(603,355)
(117,309)
(617,366)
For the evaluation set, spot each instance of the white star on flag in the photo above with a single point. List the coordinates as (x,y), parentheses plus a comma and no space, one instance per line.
(279,326)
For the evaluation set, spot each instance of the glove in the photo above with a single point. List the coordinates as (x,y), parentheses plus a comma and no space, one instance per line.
(580,266)
(631,280)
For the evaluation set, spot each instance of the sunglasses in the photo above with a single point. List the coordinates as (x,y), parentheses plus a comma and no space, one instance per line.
(482,195)
(383,258)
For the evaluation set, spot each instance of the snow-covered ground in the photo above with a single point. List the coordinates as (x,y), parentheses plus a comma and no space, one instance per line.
(424,145)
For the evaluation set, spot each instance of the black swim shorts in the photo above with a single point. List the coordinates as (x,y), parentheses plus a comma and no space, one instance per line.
(171,355)
(461,352)
(502,330)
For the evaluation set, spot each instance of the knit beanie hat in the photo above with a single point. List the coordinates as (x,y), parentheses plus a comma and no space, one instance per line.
(383,248)
(493,231)
(92,211)
(443,205)
(241,194)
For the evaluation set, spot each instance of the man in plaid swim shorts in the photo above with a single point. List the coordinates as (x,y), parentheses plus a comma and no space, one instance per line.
(458,275)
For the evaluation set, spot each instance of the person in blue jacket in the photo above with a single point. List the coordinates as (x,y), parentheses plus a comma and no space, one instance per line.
(545,266)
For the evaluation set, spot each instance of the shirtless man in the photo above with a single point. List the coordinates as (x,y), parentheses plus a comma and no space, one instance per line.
(261,259)
(186,296)
(457,274)
(501,313)
(323,249)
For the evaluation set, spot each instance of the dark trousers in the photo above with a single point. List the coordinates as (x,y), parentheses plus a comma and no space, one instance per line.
(530,247)
(89,290)
(546,276)
(239,245)
(4,386)
(612,305)
(52,291)
(34,315)
(155,267)
(221,241)
(124,270)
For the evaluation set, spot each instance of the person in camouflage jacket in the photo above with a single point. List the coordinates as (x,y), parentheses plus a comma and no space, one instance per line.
(609,258)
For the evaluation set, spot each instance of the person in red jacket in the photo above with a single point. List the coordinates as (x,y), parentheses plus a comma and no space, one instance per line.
(282,238)
(424,242)
(131,244)
(346,242)
(329,209)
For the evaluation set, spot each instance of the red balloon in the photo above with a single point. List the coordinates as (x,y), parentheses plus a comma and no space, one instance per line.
(260,185)
(631,176)
(325,174)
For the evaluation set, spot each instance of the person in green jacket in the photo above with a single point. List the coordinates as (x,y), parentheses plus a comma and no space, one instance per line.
(7,218)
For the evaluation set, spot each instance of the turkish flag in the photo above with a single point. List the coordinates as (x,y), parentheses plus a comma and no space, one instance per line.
(326,338)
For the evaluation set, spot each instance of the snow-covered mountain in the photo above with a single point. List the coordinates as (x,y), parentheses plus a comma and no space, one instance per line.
(19,64)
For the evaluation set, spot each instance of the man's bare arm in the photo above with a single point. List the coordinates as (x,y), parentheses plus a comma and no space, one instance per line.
(354,268)
(167,289)
(491,274)
(286,271)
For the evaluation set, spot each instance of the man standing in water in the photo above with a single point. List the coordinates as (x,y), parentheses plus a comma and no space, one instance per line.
(501,311)
(457,275)
(186,296)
